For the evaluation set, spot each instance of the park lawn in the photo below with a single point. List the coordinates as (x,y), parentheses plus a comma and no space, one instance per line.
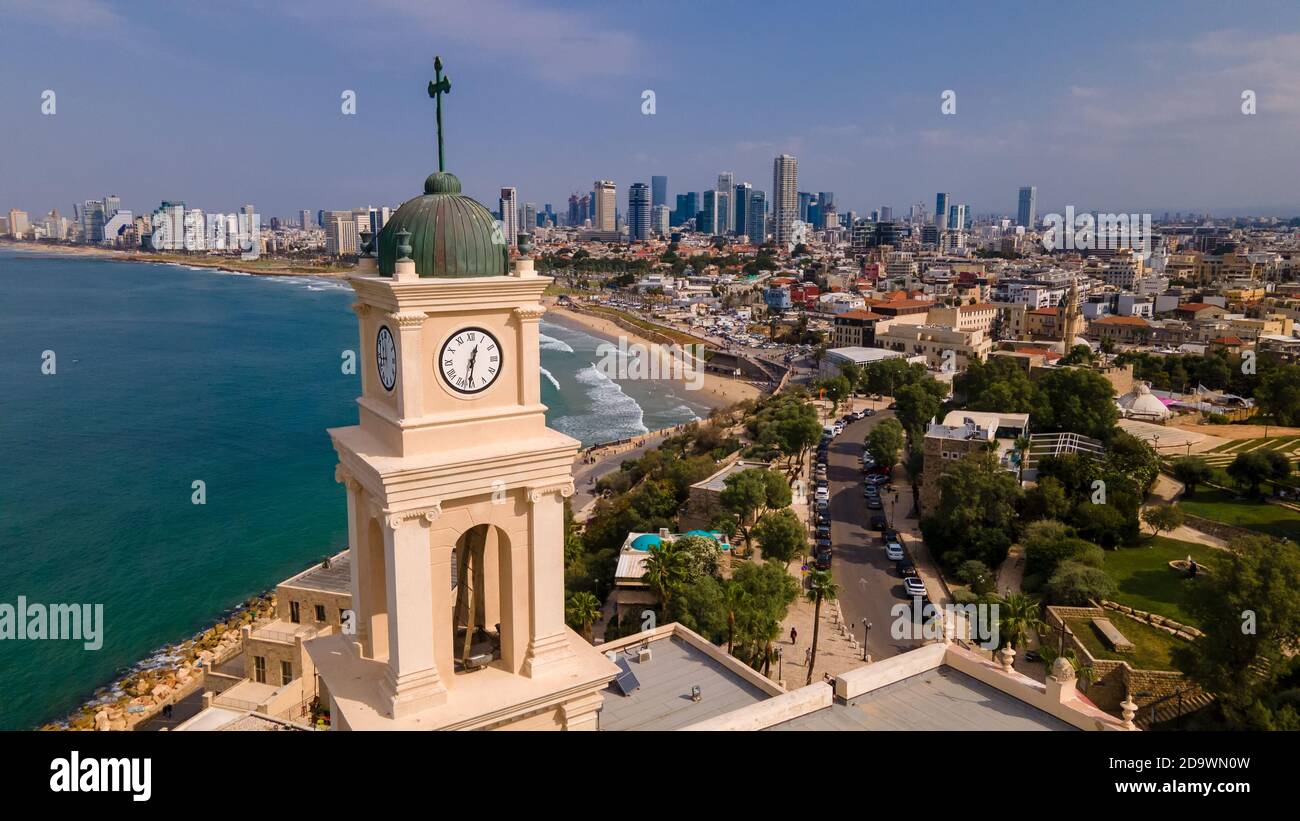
(1223,506)
(1152,648)
(1145,580)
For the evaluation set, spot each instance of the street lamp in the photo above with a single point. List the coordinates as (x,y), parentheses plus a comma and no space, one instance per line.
(780,664)
(866,634)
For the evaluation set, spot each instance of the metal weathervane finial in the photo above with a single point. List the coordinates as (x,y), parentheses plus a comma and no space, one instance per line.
(439,86)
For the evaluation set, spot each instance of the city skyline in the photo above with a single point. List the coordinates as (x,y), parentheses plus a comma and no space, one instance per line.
(1124,126)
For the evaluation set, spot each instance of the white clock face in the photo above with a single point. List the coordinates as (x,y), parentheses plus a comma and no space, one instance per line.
(386,358)
(470,360)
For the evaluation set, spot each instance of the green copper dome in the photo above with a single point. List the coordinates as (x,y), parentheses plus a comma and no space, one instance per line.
(452,235)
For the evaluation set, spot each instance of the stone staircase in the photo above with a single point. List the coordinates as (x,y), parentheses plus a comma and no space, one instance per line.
(1172,706)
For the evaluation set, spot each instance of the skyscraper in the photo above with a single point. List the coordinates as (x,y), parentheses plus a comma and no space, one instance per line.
(658,191)
(509,205)
(574,219)
(755,227)
(941,210)
(605,206)
(807,203)
(957,217)
(709,217)
(638,212)
(1027,213)
(659,219)
(785,196)
(305,218)
(740,208)
(529,222)
(726,209)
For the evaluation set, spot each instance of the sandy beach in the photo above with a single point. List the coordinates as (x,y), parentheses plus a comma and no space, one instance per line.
(264,266)
(716,392)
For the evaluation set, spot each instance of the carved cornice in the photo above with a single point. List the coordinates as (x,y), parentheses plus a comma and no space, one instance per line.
(408,319)
(539,492)
(395,519)
(344,477)
(528,313)
(362,308)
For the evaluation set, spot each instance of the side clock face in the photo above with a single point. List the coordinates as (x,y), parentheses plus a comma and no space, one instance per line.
(386,358)
(470,360)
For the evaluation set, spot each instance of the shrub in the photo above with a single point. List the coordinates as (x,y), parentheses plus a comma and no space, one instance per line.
(1075,583)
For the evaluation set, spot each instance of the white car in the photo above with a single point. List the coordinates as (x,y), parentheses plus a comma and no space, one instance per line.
(822,494)
(894,552)
(914,586)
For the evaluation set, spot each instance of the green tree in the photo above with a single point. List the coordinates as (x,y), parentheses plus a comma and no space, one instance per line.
(582,612)
(1162,518)
(977,574)
(699,556)
(976,514)
(1018,617)
(781,536)
(768,590)
(1191,471)
(1249,611)
(751,493)
(996,384)
(701,606)
(1278,393)
(1254,467)
(1075,583)
(1046,500)
(1077,400)
(665,571)
(837,388)
(821,587)
(885,441)
(918,403)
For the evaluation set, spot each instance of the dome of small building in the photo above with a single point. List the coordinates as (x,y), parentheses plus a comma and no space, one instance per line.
(451,235)
(1140,403)
(646,541)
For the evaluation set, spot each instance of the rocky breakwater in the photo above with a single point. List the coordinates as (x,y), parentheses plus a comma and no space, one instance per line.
(168,676)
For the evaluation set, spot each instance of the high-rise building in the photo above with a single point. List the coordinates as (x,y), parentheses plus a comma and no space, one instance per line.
(726,212)
(785,196)
(606,205)
(807,205)
(941,210)
(18,225)
(740,208)
(886,213)
(638,212)
(574,219)
(659,216)
(957,217)
(304,217)
(509,205)
(340,235)
(658,191)
(707,222)
(1027,210)
(917,215)
(529,223)
(756,224)
(692,208)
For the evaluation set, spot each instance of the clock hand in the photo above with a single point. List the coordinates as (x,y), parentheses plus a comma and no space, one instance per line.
(473,355)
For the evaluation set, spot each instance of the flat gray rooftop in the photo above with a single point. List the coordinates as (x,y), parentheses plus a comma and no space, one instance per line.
(664,700)
(337,578)
(939,699)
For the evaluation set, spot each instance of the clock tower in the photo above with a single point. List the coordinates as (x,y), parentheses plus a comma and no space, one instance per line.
(455,490)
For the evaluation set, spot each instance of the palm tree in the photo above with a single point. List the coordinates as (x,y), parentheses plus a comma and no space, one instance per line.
(1019,617)
(583,611)
(1022,451)
(734,600)
(821,587)
(665,571)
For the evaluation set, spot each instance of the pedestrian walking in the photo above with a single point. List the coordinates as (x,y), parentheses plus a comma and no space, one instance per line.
(794,634)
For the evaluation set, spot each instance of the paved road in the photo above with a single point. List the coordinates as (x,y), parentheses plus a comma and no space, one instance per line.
(585,475)
(869,584)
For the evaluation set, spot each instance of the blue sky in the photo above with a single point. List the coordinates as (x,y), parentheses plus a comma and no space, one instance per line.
(1118,106)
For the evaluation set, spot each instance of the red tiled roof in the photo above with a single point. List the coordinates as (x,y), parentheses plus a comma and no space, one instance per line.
(856,314)
(1044,311)
(1194,306)
(1226,340)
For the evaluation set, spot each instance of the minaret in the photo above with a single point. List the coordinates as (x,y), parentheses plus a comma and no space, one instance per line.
(455,489)
(1070,317)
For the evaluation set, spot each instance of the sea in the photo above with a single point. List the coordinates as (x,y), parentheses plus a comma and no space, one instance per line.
(163,449)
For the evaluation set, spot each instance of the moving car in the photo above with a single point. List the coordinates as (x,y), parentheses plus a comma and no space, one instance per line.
(914,586)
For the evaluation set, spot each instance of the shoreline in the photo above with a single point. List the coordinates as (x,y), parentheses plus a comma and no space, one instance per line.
(232,265)
(717,392)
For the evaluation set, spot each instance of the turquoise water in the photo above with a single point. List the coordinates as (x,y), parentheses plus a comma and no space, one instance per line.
(167,375)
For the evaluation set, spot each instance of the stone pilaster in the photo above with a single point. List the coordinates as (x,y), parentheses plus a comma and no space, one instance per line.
(412,682)
(409,388)
(548,646)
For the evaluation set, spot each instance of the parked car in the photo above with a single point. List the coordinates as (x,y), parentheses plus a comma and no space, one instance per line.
(822,561)
(906,568)
(894,552)
(873,503)
(823,504)
(823,532)
(877,521)
(893,406)
(876,479)
(870,492)
(914,586)
(868,412)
